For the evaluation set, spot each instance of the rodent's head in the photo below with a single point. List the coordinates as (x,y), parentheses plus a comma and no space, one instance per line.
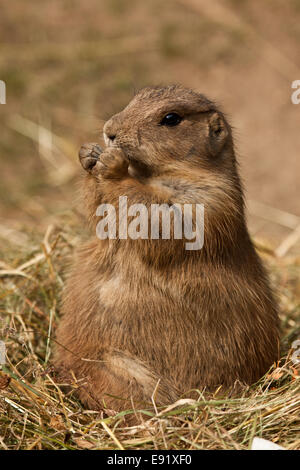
(161,126)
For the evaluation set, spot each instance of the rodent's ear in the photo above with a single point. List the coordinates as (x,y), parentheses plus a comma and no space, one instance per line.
(217,133)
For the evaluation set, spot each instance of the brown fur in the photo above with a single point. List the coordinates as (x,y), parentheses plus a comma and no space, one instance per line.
(138,313)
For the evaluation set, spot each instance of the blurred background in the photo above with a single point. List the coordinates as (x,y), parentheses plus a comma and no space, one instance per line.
(70,64)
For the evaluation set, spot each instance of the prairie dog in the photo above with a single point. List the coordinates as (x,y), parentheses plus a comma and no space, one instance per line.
(137,313)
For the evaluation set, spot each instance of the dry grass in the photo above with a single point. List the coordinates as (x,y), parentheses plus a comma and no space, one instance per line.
(35,414)
(80,64)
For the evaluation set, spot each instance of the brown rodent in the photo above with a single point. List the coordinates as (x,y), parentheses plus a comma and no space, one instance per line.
(140,315)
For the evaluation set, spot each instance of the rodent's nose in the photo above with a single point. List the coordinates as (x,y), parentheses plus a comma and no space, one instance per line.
(111,136)
(110,131)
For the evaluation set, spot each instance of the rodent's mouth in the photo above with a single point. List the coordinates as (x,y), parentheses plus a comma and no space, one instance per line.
(138,168)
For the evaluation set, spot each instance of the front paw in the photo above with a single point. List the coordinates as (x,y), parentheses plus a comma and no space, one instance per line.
(89,155)
(112,163)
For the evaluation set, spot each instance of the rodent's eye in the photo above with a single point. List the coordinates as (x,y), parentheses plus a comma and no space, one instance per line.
(171,120)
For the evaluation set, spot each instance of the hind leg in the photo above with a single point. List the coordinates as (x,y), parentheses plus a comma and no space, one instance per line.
(120,381)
